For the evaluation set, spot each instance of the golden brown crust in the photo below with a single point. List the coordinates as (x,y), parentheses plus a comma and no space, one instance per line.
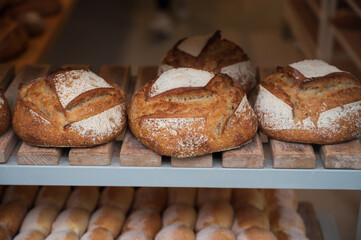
(69,116)
(256,233)
(215,55)
(192,121)
(249,216)
(146,220)
(29,235)
(175,232)
(150,197)
(5,114)
(215,233)
(286,219)
(322,110)
(247,197)
(180,213)
(11,215)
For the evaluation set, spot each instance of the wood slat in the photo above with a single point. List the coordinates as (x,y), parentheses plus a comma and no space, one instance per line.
(101,155)
(205,161)
(343,155)
(307,212)
(134,153)
(9,139)
(6,74)
(292,155)
(248,156)
(31,155)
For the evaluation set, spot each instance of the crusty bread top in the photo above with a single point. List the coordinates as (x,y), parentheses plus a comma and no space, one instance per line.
(75,99)
(314,100)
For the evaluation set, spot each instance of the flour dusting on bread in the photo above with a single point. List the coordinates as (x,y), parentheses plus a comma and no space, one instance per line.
(180,77)
(71,84)
(38,117)
(101,124)
(194,45)
(1,101)
(314,68)
(241,71)
(163,68)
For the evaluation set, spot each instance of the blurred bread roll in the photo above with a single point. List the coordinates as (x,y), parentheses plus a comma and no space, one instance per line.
(180,213)
(83,197)
(215,212)
(73,219)
(29,235)
(97,234)
(247,197)
(215,233)
(177,231)
(4,232)
(121,197)
(281,197)
(290,235)
(285,219)
(134,235)
(256,233)
(25,194)
(56,195)
(150,197)
(11,215)
(249,216)
(182,195)
(63,235)
(40,218)
(206,194)
(146,220)
(108,217)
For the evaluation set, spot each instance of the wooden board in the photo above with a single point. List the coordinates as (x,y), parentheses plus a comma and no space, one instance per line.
(249,156)
(9,139)
(343,155)
(39,47)
(31,155)
(205,161)
(134,153)
(307,212)
(101,155)
(292,155)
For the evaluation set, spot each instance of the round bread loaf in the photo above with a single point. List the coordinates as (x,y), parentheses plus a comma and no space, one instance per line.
(29,235)
(182,195)
(150,197)
(249,216)
(215,212)
(311,102)
(214,54)
(69,108)
(188,112)
(256,233)
(146,220)
(215,233)
(134,235)
(175,231)
(5,115)
(180,213)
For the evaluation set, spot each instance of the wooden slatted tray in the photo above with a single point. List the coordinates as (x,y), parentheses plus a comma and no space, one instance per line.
(133,153)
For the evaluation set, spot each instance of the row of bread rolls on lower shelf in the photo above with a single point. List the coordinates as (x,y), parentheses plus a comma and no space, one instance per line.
(121,213)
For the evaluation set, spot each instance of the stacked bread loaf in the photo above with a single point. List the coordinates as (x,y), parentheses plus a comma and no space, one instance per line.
(146,213)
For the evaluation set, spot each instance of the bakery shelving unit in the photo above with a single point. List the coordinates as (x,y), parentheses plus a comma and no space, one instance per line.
(319,37)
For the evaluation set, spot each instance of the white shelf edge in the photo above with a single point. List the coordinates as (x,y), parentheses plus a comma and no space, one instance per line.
(114,175)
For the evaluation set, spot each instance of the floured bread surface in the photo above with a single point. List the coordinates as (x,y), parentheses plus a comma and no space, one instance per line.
(314,68)
(214,54)
(70,108)
(325,109)
(5,115)
(188,112)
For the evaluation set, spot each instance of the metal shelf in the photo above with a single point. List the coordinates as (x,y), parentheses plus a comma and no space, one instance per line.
(114,175)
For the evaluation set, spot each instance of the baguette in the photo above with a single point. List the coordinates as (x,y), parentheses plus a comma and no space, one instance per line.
(247,197)
(248,217)
(4,232)
(97,234)
(256,233)
(73,219)
(134,235)
(207,194)
(62,235)
(180,213)
(215,233)
(286,219)
(30,235)
(146,220)
(150,197)
(107,217)
(83,197)
(25,194)
(121,197)
(11,215)
(182,195)
(56,195)
(177,231)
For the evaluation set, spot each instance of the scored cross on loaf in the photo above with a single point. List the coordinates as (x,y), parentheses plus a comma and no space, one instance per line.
(72,108)
(310,101)
(188,112)
(214,54)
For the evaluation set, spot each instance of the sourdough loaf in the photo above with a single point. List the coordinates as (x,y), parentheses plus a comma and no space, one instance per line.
(214,54)
(188,112)
(69,107)
(310,101)
(5,115)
